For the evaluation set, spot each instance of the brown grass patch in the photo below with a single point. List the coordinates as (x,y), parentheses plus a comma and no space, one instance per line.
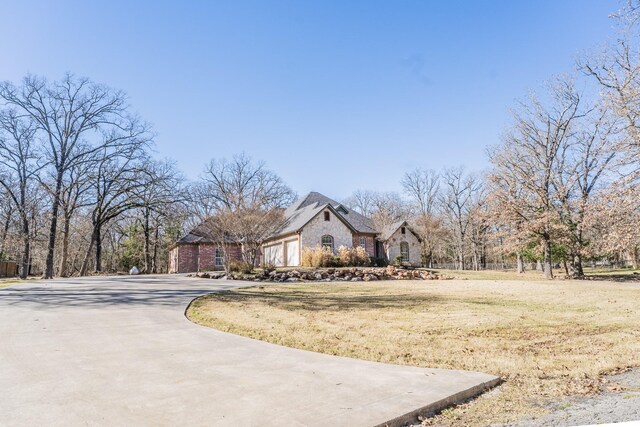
(546,339)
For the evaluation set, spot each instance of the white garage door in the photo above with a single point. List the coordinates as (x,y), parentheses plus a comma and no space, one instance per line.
(273,255)
(293,256)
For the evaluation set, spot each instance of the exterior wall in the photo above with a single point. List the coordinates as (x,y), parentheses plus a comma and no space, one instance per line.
(392,246)
(281,241)
(190,258)
(311,235)
(370,244)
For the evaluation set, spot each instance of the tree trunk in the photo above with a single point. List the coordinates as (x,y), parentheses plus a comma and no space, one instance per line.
(5,231)
(154,268)
(636,257)
(48,274)
(65,245)
(87,256)
(147,242)
(26,252)
(576,267)
(98,249)
(548,270)
(519,264)
(460,258)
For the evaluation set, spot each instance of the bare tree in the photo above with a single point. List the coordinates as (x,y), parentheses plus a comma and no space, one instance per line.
(115,186)
(247,202)
(20,162)
(422,186)
(161,193)
(76,119)
(460,191)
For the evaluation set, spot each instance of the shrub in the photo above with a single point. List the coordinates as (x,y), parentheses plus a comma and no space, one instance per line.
(353,257)
(317,257)
(236,266)
(268,267)
(378,262)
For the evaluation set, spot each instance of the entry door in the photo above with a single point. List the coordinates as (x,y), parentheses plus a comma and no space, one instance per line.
(293,255)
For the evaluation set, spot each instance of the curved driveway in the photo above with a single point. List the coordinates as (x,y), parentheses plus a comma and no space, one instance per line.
(119,351)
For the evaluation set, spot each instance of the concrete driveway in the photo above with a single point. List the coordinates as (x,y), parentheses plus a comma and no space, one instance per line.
(119,351)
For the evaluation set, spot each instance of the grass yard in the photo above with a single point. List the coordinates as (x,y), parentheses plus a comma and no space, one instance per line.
(8,282)
(545,339)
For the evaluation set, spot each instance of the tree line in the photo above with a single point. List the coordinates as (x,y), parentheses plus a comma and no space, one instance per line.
(82,192)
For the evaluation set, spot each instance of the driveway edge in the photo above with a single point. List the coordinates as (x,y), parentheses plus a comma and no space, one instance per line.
(435,407)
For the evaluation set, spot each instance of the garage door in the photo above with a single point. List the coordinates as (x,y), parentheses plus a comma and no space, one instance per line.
(293,255)
(273,255)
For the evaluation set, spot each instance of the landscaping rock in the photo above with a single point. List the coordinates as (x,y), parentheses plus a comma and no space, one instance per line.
(353,274)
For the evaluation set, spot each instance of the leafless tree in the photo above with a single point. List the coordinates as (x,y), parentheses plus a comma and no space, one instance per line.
(116,180)
(75,118)
(459,194)
(246,201)
(422,186)
(20,163)
(160,196)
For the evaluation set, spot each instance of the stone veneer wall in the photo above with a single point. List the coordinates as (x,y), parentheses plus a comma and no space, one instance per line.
(311,235)
(392,246)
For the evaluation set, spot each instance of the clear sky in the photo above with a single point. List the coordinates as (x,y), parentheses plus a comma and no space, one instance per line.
(333,95)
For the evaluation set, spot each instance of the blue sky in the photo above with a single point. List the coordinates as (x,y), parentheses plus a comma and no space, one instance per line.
(333,95)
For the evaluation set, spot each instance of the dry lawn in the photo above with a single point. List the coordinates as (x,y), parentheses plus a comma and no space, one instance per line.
(545,339)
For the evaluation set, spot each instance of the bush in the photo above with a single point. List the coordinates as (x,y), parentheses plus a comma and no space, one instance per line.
(353,257)
(317,257)
(268,268)
(378,262)
(236,266)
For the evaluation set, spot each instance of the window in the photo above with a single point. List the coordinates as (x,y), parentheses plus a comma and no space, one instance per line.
(327,242)
(363,242)
(327,216)
(342,210)
(402,230)
(219,257)
(404,251)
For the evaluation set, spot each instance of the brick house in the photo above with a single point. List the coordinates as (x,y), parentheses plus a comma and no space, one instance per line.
(196,252)
(318,221)
(312,221)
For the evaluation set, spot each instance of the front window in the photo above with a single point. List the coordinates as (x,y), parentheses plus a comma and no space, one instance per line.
(363,242)
(327,242)
(404,251)
(327,216)
(219,257)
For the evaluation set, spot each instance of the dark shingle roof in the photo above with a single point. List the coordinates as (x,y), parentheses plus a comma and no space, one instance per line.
(306,208)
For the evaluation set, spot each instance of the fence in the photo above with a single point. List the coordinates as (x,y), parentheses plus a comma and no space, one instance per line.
(8,269)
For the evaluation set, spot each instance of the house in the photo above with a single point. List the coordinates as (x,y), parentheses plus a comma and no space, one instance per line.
(318,221)
(310,222)
(196,252)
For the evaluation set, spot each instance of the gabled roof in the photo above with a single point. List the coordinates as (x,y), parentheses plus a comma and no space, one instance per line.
(388,231)
(199,235)
(306,208)
(359,222)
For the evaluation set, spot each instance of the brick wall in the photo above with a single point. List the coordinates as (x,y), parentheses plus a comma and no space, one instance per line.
(370,243)
(190,258)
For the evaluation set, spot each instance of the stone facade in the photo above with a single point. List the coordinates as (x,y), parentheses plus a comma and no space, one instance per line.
(392,246)
(311,235)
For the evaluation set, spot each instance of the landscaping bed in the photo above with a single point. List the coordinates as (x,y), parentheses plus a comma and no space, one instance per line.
(353,274)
